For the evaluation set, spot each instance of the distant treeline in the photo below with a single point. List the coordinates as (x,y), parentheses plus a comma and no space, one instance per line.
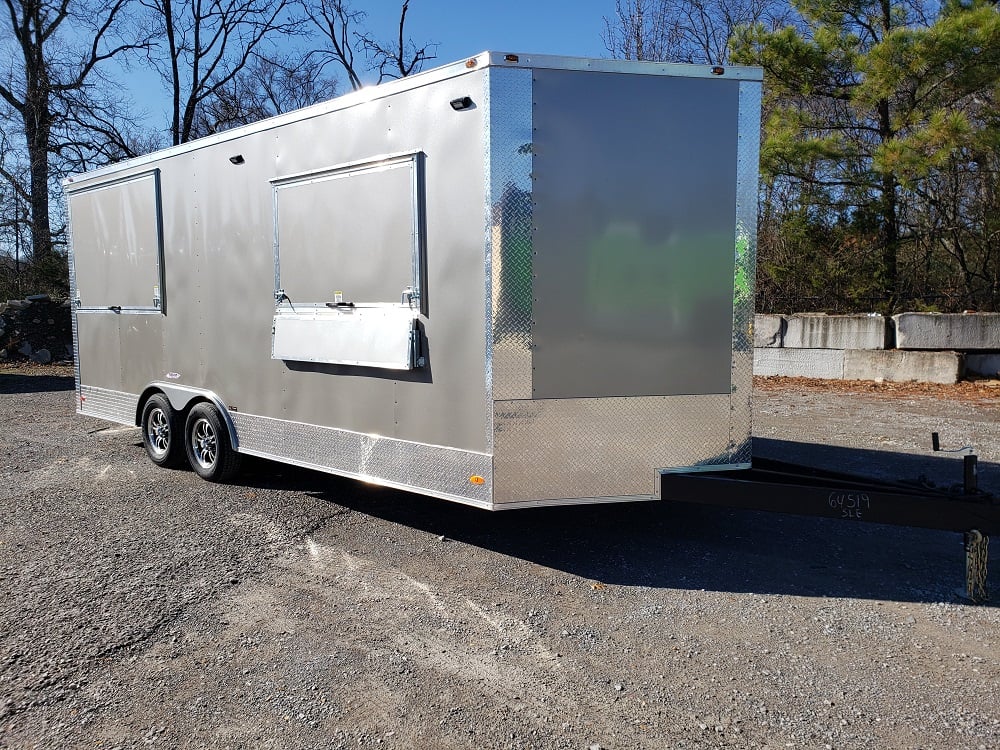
(880,157)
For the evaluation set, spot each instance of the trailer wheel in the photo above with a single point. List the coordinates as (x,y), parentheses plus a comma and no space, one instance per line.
(206,441)
(162,432)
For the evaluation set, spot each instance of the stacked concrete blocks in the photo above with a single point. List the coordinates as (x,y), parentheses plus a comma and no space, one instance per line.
(963,332)
(818,331)
(812,345)
(852,347)
(975,333)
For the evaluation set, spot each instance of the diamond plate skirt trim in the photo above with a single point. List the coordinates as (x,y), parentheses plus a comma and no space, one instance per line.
(428,469)
(747,159)
(114,406)
(603,447)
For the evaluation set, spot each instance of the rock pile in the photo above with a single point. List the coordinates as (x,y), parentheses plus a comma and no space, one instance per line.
(36,328)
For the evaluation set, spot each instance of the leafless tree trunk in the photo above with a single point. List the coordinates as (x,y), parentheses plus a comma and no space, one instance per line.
(338,24)
(208,44)
(55,48)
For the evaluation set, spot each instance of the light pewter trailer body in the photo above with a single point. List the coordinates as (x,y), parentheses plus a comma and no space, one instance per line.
(516,280)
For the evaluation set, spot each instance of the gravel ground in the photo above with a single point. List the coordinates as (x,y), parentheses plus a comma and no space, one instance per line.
(296,610)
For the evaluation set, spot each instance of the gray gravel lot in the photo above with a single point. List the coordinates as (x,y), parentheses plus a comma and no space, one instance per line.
(145,607)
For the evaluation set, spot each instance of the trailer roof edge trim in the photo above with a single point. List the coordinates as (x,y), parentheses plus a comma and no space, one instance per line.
(604,65)
(452,70)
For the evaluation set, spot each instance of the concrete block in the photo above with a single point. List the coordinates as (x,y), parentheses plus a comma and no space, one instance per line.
(768,330)
(800,363)
(903,366)
(806,331)
(951,331)
(984,365)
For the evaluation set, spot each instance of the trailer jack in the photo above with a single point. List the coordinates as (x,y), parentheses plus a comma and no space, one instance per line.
(977,549)
(809,491)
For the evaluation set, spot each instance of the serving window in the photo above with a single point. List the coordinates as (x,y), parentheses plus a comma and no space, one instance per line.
(353,230)
(117,236)
(348,243)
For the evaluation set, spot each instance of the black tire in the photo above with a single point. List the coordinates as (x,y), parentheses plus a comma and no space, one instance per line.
(206,442)
(162,432)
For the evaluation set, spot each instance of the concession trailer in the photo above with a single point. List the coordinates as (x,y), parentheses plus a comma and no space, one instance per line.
(516,280)
(513,281)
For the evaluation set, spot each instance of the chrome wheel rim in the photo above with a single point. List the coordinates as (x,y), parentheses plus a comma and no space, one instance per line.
(204,443)
(158,432)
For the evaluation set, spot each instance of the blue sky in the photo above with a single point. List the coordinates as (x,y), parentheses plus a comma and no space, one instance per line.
(460,28)
(464,28)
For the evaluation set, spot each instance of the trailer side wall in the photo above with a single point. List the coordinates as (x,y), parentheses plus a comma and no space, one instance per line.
(425,428)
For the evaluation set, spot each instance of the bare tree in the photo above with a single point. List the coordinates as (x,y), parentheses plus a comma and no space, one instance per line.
(703,29)
(400,57)
(639,30)
(93,132)
(55,49)
(208,44)
(338,23)
(268,86)
(14,224)
(690,31)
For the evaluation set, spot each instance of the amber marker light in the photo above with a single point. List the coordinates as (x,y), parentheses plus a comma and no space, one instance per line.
(471,62)
(511,58)
(476,479)
(718,70)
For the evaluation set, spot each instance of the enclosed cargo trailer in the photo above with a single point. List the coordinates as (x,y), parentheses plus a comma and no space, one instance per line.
(511,281)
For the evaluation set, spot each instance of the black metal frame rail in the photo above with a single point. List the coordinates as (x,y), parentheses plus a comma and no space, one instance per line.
(802,490)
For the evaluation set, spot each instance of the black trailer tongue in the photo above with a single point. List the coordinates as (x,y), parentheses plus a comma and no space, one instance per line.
(782,487)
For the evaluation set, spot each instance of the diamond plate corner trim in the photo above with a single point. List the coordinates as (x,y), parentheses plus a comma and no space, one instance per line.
(487,77)
(558,449)
(509,234)
(115,406)
(429,469)
(747,176)
(70,257)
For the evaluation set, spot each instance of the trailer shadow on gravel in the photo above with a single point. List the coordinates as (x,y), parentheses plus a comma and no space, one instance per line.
(11,383)
(692,547)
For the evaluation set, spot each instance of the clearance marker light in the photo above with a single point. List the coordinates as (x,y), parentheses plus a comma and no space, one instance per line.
(476,479)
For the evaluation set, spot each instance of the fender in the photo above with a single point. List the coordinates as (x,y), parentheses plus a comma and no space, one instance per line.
(182,395)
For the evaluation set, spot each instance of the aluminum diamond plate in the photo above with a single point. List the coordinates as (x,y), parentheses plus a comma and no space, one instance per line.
(114,406)
(603,447)
(430,469)
(72,296)
(748,155)
(509,233)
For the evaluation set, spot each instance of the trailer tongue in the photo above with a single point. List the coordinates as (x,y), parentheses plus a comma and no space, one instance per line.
(782,487)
